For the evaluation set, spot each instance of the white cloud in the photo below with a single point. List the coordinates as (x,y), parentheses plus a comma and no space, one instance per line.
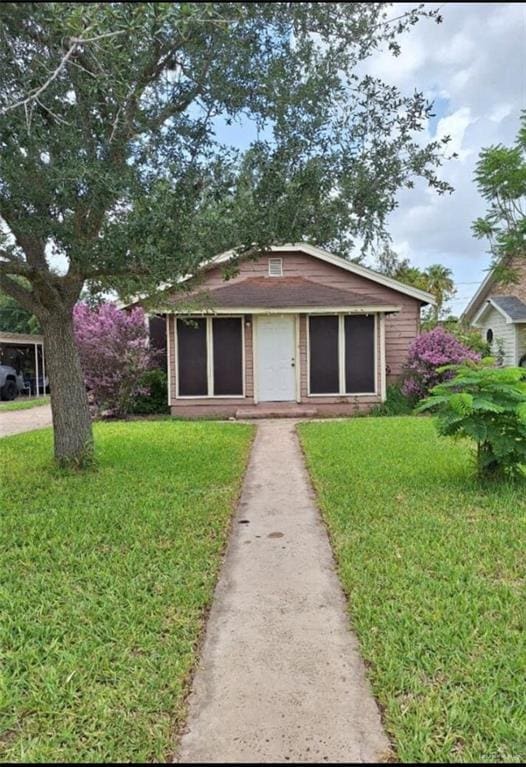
(500,112)
(455,126)
(474,63)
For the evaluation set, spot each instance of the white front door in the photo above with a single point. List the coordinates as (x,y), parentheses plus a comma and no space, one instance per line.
(276,358)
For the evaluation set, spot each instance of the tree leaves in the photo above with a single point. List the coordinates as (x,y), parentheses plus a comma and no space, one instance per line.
(488,405)
(122,101)
(501,178)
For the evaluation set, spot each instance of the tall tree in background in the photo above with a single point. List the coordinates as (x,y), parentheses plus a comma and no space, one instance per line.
(501,178)
(440,284)
(388,262)
(435,279)
(110,158)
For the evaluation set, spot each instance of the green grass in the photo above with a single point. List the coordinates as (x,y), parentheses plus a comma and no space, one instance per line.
(434,565)
(105,580)
(23,404)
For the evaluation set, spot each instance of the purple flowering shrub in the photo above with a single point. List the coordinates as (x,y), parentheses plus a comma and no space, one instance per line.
(428,352)
(114,353)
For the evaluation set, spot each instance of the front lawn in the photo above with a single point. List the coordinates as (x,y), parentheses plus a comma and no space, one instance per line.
(105,579)
(435,569)
(23,404)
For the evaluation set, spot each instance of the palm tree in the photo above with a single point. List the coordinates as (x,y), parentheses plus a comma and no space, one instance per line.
(440,283)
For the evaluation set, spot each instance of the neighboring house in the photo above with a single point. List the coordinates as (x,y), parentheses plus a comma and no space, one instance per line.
(296,329)
(25,353)
(499,312)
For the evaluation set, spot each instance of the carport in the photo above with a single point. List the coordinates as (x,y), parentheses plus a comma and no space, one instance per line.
(25,353)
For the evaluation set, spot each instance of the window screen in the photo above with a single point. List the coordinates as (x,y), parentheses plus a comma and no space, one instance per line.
(323,353)
(191,358)
(228,355)
(359,354)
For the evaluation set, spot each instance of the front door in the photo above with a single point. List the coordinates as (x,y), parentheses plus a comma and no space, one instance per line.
(276,358)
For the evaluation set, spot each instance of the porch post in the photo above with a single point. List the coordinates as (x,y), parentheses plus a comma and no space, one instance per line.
(254,358)
(37,387)
(383,390)
(297,362)
(168,322)
(43,370)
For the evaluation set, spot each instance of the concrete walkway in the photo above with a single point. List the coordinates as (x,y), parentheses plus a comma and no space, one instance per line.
(280,677)
(17,421)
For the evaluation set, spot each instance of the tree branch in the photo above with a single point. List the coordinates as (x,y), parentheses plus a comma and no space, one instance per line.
(13,266)
(75,43)
(23,296)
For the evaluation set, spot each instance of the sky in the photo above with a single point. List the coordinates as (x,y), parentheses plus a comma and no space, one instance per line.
(473,66)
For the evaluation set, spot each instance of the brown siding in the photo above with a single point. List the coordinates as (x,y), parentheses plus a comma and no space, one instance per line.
(518,288)
(400,330)
(170,322)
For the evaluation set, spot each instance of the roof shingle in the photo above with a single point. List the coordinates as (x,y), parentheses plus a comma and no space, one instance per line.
(512,306)
(276,293)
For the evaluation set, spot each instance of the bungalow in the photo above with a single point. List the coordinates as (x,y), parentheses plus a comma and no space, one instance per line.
(499,311)
(297,330)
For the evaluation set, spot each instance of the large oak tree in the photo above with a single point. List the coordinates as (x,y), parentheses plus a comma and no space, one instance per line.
(110,159)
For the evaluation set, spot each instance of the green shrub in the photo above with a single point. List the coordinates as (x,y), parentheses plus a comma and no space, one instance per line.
(396,403)
(155,401)
(488,405)
(471,338)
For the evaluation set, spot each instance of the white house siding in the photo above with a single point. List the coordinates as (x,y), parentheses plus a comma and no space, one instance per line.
(495,321)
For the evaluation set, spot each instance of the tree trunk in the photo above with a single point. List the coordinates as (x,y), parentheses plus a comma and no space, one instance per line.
(69,400)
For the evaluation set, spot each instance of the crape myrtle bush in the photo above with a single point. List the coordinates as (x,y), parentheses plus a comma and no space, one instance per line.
(115,354)
(428,355)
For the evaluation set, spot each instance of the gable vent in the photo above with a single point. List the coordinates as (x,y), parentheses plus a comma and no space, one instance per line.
(275,267)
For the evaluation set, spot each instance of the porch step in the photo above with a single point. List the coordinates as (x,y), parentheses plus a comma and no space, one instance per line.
(276,412)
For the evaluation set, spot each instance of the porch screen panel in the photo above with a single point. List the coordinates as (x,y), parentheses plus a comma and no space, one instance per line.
(323,354)
(228,355)
(359,354)
(191,358)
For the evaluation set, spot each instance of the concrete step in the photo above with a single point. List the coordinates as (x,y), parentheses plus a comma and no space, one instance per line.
(265,411)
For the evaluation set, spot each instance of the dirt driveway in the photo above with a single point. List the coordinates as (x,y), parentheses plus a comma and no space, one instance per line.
(17,421)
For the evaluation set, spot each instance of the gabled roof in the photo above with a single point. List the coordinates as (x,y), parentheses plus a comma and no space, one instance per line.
(512,306)
(512,309)
(311,250)
(280,293)
(472,309)
(342,263)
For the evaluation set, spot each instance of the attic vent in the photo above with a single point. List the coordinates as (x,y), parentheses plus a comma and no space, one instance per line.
(275,267)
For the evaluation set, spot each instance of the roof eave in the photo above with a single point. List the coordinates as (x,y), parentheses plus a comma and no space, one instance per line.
(373,309)
(490,304)
(471,309)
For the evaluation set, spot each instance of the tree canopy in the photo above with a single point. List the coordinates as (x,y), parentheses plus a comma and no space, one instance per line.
(501,178)
(435,279)
(110,152)
(115,153)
